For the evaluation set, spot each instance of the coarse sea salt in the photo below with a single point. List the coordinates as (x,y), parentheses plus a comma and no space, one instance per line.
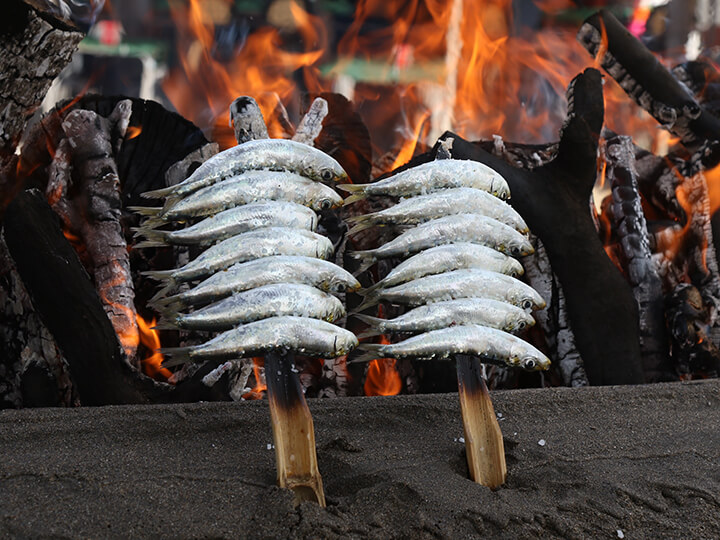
(541,442)
(620,534)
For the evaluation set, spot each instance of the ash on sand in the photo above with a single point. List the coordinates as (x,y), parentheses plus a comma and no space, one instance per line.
(633,462)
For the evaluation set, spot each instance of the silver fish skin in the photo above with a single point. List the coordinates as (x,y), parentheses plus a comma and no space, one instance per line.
(442,203)
(279,269)
(247,246)
(480,311)
(253,186)
(467,283)
(274,300)
(431,176)
(447,258)
(234,221)
(270,154)
(470,228)
(310,337)
(489,344)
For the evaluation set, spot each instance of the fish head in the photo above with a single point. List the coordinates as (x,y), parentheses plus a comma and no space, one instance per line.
(517,322)
(326,201)
(527,357)
(519,247)
(513,268)
(323,168)
(344,343)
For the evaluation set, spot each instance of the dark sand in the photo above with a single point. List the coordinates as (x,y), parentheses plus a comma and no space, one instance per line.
(641,460)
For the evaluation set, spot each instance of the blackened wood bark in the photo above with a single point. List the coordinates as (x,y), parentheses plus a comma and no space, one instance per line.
(36,47)
(97,188)
(647,81)
(69,306)
(311,124)
(554,200)
(553,319)
(631,228)
(247,120)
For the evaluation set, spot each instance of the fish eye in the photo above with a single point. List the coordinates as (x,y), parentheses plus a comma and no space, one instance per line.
(514,250)
(325,204)
(503,196)
(326,174)
(529,364)
(527,304)
(521,325)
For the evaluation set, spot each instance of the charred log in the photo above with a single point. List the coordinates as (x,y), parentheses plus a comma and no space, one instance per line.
(70,307)
(647,81)
(247,120)
(642,272)
(311,124)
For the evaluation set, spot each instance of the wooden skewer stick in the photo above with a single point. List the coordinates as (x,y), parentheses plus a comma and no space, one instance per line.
(293,432)
(483,438)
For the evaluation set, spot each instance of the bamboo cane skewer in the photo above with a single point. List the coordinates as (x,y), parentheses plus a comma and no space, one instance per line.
(293,431)
(483,438)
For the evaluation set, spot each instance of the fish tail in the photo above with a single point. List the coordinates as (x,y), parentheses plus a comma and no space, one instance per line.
(160,275)
(355,197)
(352,188)
(370,352)
(166,323)
(151,235)
(367,319)
(371,332)
(178,355)
(372,288)
(360,223)
(367,259)
(150,211)
(367,303)
(158,193)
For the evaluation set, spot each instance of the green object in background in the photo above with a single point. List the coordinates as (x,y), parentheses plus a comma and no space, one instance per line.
(376,71)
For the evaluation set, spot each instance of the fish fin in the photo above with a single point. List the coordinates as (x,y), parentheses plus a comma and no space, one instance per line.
(355,197)
(178,355)
(352,188)
(158,193)
(371,351)
(368,302)
(151,211)
(160,275)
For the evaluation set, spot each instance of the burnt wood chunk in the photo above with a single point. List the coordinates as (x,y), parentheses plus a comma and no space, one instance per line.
(311,124)
(631,227)
(554,201)
(68,304)
(36,47)
(647,81)
(247,120)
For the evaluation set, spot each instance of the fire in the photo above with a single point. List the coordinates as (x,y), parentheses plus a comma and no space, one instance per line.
(260,385)
(152,363)
(461,61)
(132,132)
(203,90)
(382,378)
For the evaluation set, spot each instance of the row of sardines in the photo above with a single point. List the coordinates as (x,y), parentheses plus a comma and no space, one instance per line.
(460,240)
(263,280)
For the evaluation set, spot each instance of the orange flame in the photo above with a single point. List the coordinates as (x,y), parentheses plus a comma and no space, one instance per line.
(152,363)
(205,87)
(260,385)
(487,79)
(382,378)
(132,132)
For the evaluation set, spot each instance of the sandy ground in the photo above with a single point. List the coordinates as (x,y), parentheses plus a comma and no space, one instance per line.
(613,462)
